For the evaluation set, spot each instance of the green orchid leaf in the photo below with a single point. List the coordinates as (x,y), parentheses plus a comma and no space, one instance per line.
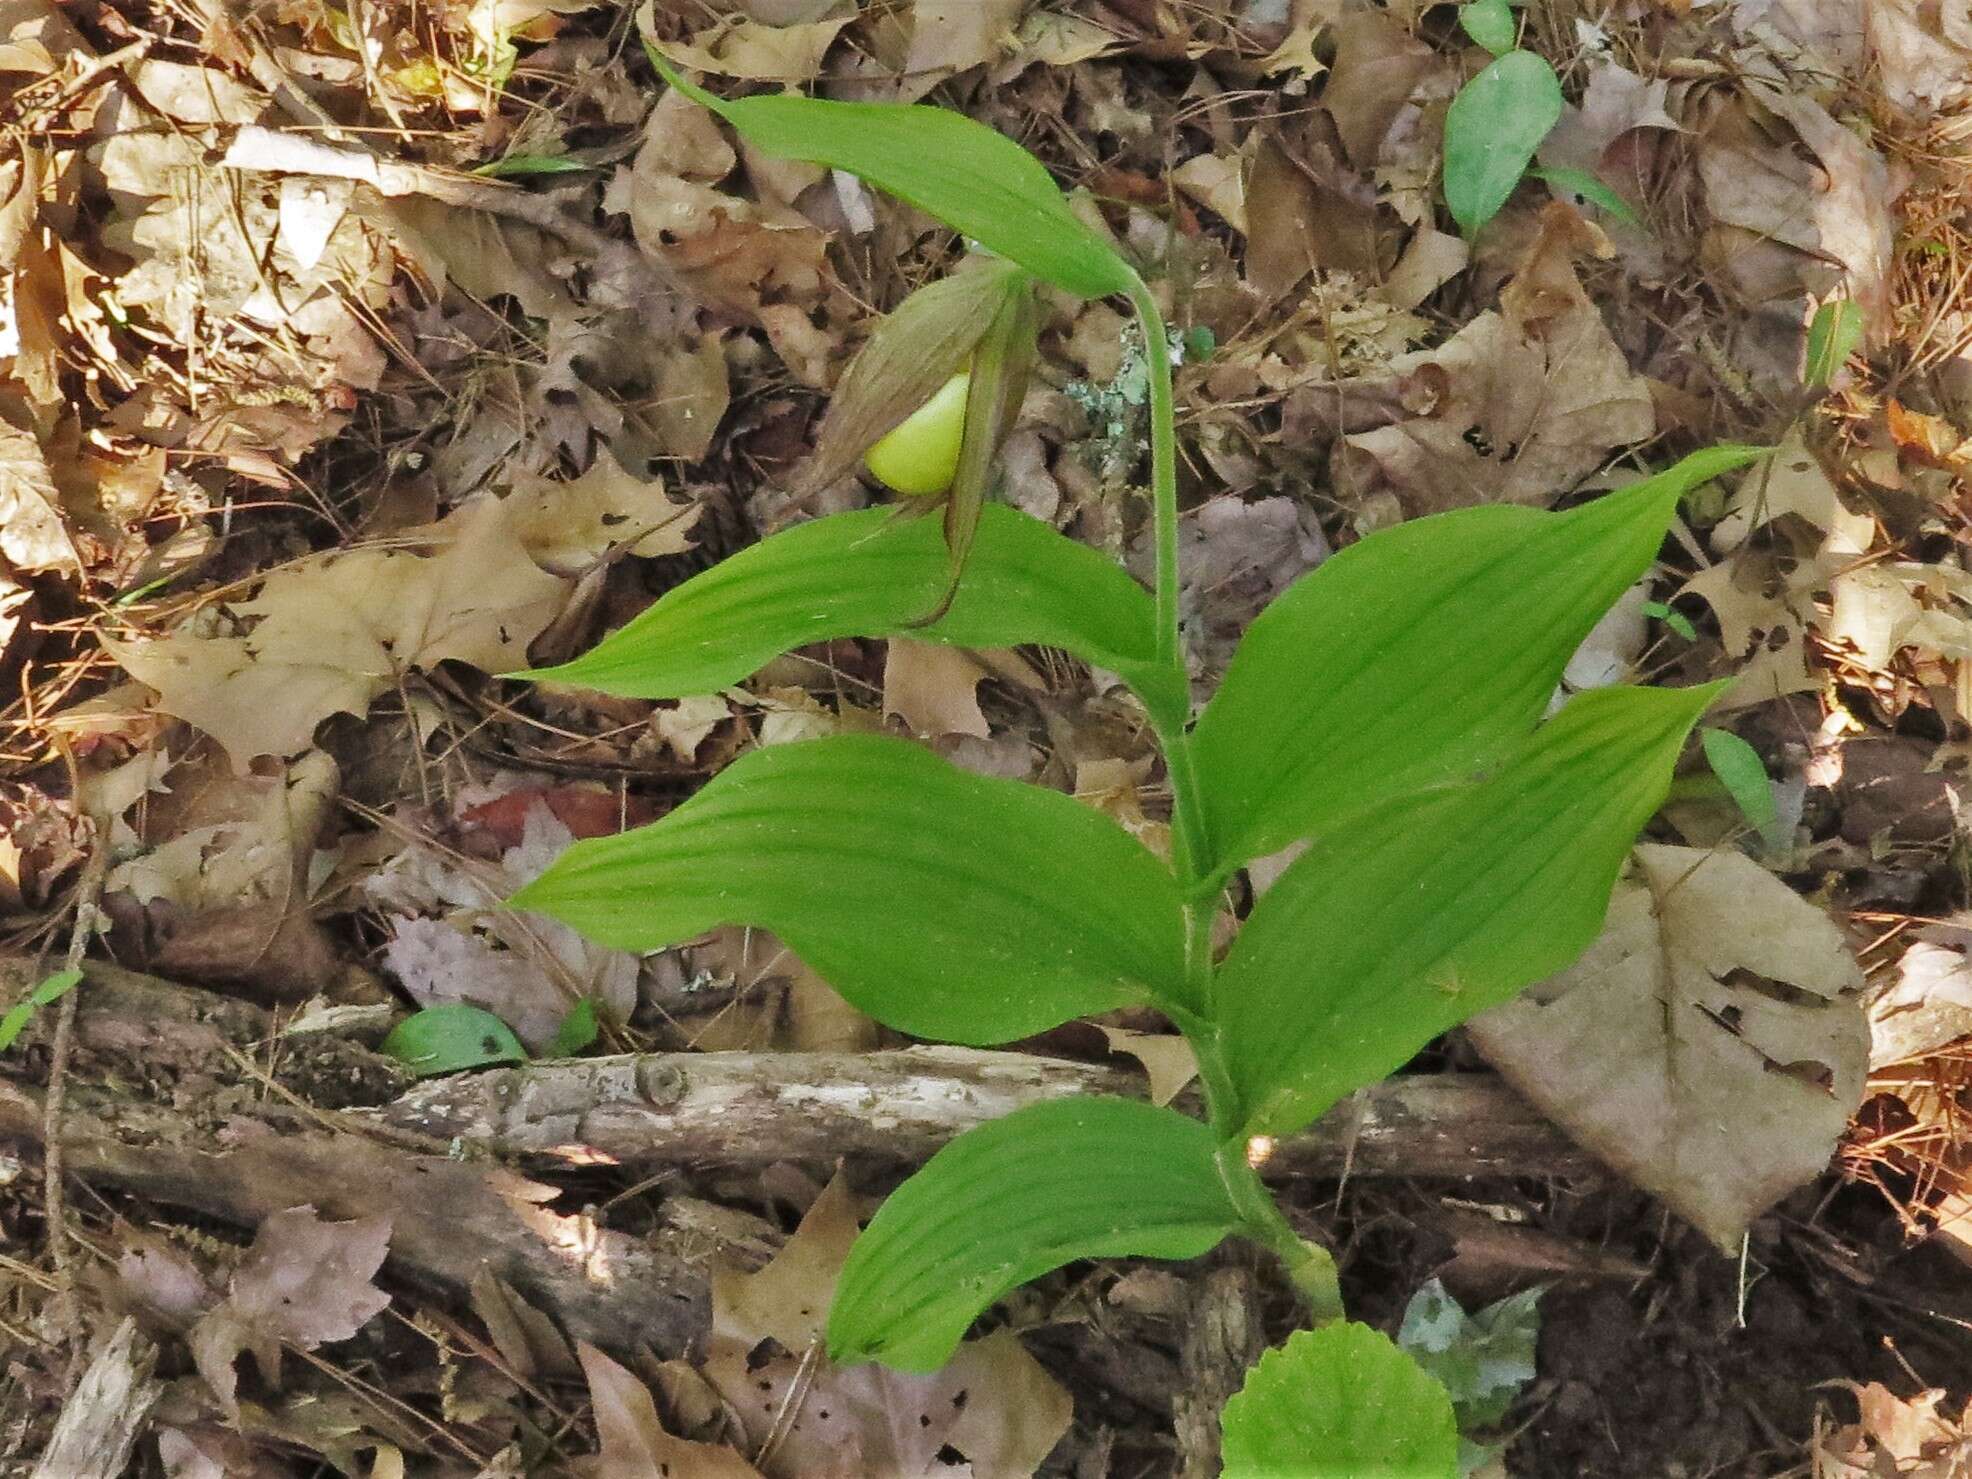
(1407,919)
(978,182)
(872,574)
(906,360)
(1342,1402)
(1417,656)
(1492,129)
(945,904)
(445,1039)
(1007,1202)
(50,991)
(1833,335)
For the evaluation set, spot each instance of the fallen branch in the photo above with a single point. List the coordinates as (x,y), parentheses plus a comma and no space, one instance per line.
(897,1108)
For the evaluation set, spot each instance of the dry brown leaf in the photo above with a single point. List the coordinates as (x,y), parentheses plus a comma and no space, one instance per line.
(304,1283)
(565,527)
(992,1404)
(777,1003)
(527,969)
(633,1441)
(1519,405)
(949,36)
(1711,1045)
(335,631)
(933,688)
(1896,1438)
(32,536)
(1168,1060)
(736,46)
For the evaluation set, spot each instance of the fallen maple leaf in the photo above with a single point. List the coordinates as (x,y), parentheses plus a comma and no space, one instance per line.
(1711,1045)
(303,1283)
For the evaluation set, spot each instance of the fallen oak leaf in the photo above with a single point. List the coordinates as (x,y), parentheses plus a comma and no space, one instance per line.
(1711,1044)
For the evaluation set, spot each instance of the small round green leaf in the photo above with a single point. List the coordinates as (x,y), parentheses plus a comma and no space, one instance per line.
(1342,1402)
(1492,129)
(445,1039)
(1490,23)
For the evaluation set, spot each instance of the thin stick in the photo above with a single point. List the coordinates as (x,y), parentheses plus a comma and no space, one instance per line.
(54,1202)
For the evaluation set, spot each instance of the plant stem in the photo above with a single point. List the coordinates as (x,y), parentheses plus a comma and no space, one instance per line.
(1308,1265)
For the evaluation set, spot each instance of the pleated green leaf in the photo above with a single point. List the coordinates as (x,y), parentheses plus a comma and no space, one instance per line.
(1409,918)
(979,182)
(945,904)
(1007,1202)
(1342,1402)
(875,574)
(1419,655)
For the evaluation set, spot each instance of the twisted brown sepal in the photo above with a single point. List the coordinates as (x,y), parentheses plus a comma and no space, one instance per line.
(1001,363)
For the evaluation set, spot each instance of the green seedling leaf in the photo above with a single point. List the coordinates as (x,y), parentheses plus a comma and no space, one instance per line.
(1676,620)
(578,1031)
(1833,335)
(1490,24)
(1007,1202)
(517,166)
(1405,920)
(1582,185)
(1441,640)
(1342,1402)
(445,1039)
(906,361)
(1000,366)
(945,904)
(22,1012)
(1744,775)
(870,574)
(1482,1360)
(978,182)
(1492,129)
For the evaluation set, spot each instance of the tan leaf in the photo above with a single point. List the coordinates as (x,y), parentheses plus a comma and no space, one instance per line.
(992,1403)
(336,630)
(949,36)
(933,688)
(634,1443)
(31,533)
(566,526)
(1168,1060)
(1711,1045)
(1516,407)
(736,46)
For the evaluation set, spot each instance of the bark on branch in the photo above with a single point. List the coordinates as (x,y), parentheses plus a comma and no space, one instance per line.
(896,1108)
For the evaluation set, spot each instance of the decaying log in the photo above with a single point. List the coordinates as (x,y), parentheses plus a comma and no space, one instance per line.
(106,1411)
(450,1218)
(896,1108)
